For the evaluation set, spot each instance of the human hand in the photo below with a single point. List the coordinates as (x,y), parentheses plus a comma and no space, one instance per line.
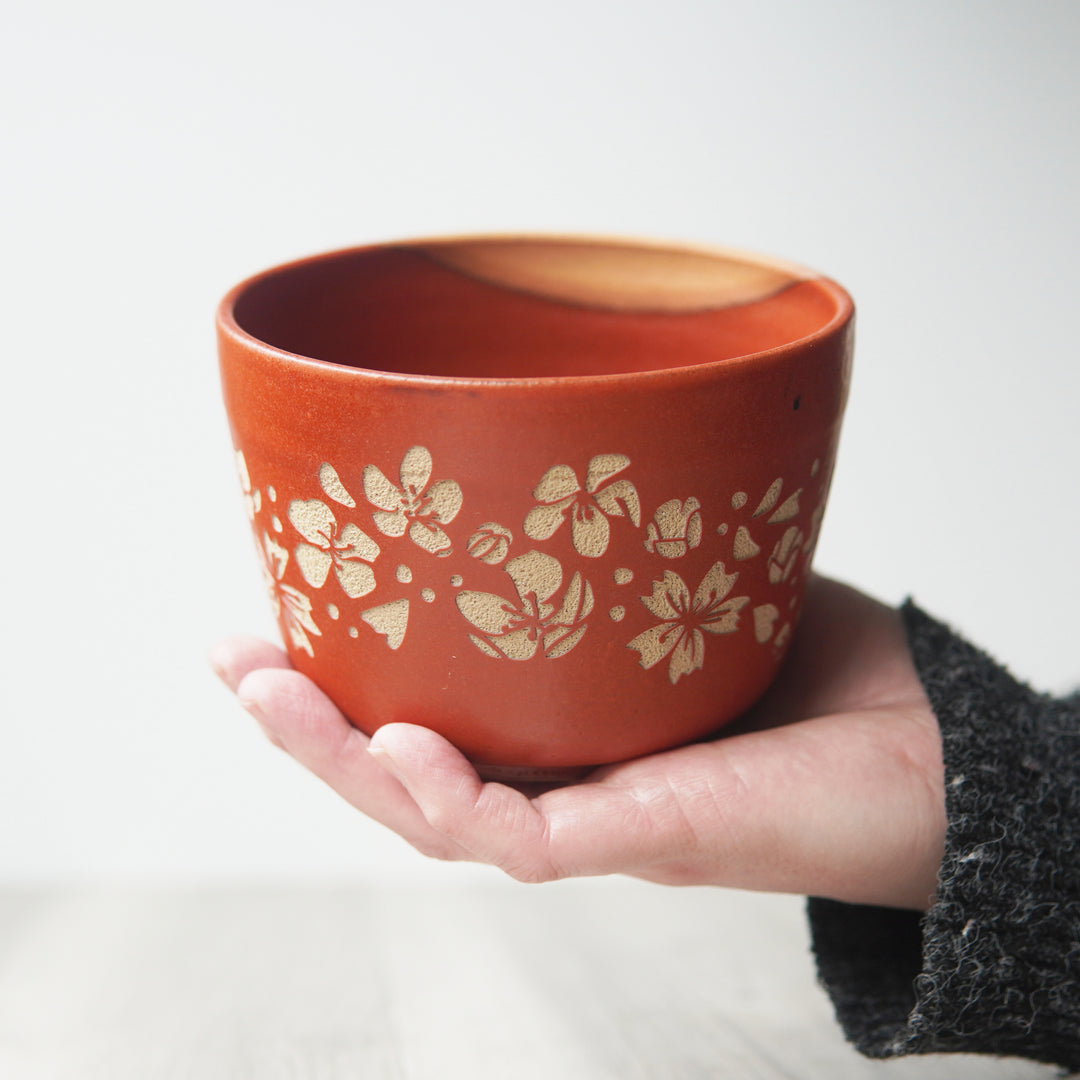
(832,785)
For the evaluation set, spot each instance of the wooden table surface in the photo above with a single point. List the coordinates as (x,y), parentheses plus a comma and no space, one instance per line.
(588,979)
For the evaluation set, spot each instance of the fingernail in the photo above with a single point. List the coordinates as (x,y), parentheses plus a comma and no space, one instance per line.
(253,708)
(386,760)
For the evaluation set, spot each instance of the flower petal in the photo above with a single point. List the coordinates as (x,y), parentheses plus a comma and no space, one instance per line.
(602,468)
(484,647)
(276,556)
(298,637)
(314,564)
(313,520)
(490,543)
(559,482)
(788,509)
(298,608)
(577,602)
(687,656)
(356,578)
(517,645)
(332,485)
(725,619)
(768,500)
(272,591)
(542,522)
(621,494)
(671,549)
(429,536)
(589,531)
(445,500)
(715,585)
(559,642)
(390,524)
(391,619)
(415,468)
(670,598)
(656,642)
(535,573)
(693,530)
(357,544)
(379,491)
(486,611)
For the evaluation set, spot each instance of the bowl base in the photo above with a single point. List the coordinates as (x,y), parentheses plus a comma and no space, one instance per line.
(532,774)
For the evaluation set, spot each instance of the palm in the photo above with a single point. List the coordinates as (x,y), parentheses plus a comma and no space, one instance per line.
(832,785)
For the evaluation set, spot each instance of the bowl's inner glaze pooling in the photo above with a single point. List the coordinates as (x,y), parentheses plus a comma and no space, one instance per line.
(531,308)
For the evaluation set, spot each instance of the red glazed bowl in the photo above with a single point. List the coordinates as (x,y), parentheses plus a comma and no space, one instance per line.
(555,498)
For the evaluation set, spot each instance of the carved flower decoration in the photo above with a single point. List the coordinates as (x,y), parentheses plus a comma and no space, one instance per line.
(784,554)
(560,493)
(518,630)
(348,552)
(413,506)
(674,529)
(252,498)
(290,605)
(490,543)
(679,634)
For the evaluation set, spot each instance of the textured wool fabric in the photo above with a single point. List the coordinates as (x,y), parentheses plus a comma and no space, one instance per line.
(994,965)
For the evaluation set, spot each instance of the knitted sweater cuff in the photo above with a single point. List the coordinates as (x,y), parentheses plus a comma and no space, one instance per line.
(994,965)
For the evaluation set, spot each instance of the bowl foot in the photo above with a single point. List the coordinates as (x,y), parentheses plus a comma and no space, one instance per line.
(532,774)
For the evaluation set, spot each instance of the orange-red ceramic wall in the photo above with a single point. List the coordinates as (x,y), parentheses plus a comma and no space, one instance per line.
(722,433)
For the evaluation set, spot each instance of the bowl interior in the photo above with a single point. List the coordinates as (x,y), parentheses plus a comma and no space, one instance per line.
(529,308)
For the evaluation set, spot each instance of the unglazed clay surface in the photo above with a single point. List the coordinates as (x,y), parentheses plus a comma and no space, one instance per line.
(552,570)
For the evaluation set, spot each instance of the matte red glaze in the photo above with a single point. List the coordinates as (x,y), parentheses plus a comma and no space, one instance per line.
(696,418)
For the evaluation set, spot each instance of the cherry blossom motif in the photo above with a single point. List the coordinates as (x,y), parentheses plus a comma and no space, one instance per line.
(559,491)
(533,624)
(348,552)
(413,506)
(785,511)
(784,553)
(490,543)
(675,528)
(252,497)
(679,634)
(290,605)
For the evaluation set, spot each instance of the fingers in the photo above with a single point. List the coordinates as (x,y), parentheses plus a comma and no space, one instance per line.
(841,806)
(232,658)
(610,825)
(298,717)
(496,824)
(848,654)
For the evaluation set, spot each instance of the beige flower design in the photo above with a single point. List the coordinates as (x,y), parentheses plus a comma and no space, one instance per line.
(348,552)
(560,492)
(413,506)
(675,528)
(533,624)
(290,605)
(784,553)
(490,543)
(679,634)
(252,497)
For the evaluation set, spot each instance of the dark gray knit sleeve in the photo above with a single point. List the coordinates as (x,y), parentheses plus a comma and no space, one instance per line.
(994,966)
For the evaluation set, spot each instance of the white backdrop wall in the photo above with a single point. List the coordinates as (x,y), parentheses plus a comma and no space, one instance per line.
(923,153)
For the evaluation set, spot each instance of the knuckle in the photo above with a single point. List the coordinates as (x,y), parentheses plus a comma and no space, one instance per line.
(442,850)
(532,872)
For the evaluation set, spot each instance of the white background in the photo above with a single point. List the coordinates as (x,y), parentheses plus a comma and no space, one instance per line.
(922,153)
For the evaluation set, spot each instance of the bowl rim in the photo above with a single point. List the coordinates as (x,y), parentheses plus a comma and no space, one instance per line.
(228,327)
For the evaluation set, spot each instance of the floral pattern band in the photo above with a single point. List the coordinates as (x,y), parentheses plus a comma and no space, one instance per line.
(343,547)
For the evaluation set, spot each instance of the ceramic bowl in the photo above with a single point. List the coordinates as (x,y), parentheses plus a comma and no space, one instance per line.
(553,497)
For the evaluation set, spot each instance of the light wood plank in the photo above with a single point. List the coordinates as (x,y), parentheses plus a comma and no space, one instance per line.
(585,980)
